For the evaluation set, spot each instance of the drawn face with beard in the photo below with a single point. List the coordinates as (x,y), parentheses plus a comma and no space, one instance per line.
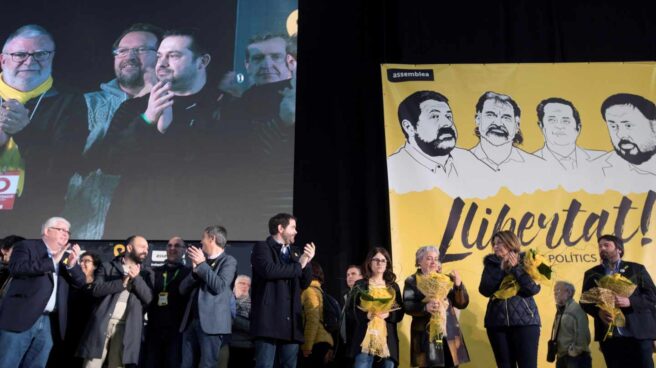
(497,122)
(434,133)
(632,134)
(135,68)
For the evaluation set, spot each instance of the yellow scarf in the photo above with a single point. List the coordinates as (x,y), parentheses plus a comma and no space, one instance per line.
(10,158)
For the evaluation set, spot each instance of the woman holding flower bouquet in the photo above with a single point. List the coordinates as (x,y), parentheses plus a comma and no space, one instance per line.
(511,319)
(377,305)
(430,298)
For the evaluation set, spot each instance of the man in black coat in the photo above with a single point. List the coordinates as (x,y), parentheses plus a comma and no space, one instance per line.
(631,345)
(279,276)
(125,290)
(38,291)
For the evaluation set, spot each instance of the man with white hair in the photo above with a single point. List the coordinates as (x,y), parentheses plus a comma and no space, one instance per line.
(41,131)
(38,293)
(570,329)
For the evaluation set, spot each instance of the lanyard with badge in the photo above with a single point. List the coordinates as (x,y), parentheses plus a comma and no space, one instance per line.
(164,295)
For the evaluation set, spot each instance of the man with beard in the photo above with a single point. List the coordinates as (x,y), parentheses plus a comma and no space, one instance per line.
(173,128)
(280,273)
(430,157)
(163,341)
(135,55)
(630,345)
(497,126)
(631,122)
(124,289)
(41,131)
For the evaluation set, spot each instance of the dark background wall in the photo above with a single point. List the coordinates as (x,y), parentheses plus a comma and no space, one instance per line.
(340,193)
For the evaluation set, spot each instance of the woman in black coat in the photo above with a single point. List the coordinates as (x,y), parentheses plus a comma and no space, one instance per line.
(424,353)
(377,273)
(513,324)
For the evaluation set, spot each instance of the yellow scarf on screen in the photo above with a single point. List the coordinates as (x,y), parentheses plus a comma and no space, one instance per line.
(10,157)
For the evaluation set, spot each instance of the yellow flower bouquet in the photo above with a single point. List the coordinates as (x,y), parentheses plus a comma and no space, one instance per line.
(535,265)
(435,287)
(377,300)
(603,296)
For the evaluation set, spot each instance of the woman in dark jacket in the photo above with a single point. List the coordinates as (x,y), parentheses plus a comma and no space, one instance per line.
(377,273)
(424,353)
(513,323)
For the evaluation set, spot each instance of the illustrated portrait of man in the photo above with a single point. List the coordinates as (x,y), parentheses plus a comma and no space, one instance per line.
(631,122)
(560,123)
(497,126)
(430,157)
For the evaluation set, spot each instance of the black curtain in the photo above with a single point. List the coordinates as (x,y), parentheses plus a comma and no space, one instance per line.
(340,190)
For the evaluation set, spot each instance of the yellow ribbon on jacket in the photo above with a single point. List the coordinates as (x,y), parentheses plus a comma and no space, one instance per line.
(10,157)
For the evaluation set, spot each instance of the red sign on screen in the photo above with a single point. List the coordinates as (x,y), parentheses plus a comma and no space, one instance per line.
(8,189)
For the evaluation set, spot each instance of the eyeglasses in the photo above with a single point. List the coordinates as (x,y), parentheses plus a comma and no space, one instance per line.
(86,261)
(379,260)
(19,57)
(124,51)
(60,229)
(177,245)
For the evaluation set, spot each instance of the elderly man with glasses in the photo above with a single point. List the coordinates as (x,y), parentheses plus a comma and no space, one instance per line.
(40,131)
(163,340)
(38,295)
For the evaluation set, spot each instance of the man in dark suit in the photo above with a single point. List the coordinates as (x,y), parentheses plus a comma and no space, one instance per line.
(39,289)
(207,321)
(631,345)
(279,276)
(163,340)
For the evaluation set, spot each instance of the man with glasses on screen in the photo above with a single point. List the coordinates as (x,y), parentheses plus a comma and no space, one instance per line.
(38,295)
(160,142)
(135,56)
(40,131)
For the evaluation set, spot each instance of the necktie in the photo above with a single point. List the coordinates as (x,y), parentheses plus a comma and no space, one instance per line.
(284,254)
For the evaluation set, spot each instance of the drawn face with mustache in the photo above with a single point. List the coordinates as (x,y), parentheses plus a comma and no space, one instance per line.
(434,133)
(497,122)
(632,134)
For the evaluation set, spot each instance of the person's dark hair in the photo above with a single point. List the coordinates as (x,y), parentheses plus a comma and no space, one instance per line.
(409,108)
(130,240)
(389,275)
(500,98)
(219,233)
(140,27)
(355,266)
(619,243)
(94,257)
(8,242)
(317,272)
(265,37)
(198,45)
(646,107)
(279,219)
(558,100)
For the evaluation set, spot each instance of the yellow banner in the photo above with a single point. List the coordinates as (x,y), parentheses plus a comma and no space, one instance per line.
(558,153)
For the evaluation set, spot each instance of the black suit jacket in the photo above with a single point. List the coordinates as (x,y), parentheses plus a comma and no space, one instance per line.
(641,315)
(32,270)
(276,292)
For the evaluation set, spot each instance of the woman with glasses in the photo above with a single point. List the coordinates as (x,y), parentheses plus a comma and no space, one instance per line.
(450,350)
(377,277)
(511,319)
